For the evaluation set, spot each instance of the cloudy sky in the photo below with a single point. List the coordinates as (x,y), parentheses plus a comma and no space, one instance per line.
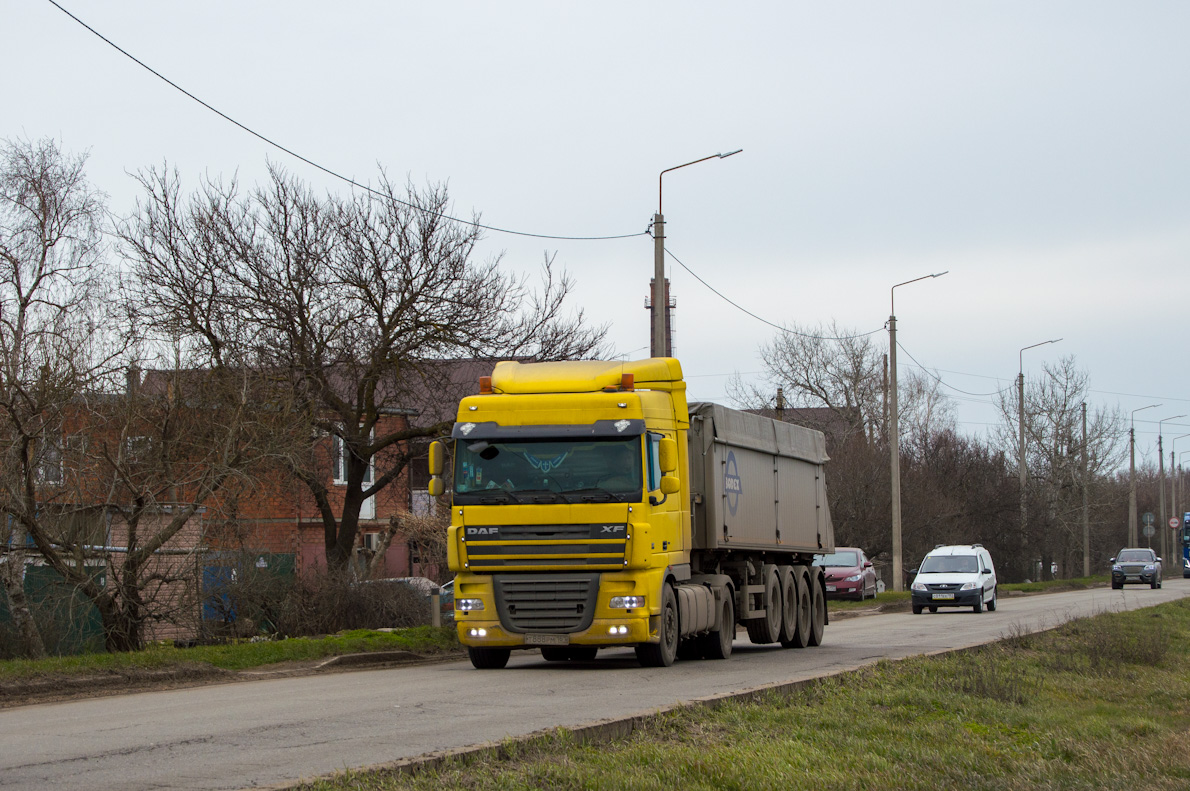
(1036,150)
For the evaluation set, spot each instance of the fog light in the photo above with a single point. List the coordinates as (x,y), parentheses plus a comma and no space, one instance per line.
(468,605)
(626,602)
(478,633)
(617,630)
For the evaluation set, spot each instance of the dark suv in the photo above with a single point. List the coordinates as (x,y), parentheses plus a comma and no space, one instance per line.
(1137,564)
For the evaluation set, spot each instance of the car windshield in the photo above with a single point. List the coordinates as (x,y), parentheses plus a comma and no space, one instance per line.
(1134,556)
(837,559)
(549,471)
(949,564)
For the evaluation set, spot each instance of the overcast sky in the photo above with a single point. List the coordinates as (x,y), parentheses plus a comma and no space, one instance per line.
(1036,150)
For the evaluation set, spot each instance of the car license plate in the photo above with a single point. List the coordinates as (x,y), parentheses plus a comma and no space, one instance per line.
(547,639)
(943,595)
(830,588)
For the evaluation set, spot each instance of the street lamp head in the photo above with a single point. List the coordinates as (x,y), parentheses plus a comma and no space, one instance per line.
(729,153)
(1142,409)
(1021,354)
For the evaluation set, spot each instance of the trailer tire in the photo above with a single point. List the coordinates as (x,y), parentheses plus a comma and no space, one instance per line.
(717,644)
(665,650)
(803,610)
(788,605)
(488,658)
(768,629)
(818,612)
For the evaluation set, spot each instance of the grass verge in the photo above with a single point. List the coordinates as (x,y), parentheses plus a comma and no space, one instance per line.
(1102,702)
(236,656)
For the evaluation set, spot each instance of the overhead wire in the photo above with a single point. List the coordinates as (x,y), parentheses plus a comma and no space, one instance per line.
(316,165)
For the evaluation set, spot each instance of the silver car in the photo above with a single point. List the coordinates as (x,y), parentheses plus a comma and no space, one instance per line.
(1136,564)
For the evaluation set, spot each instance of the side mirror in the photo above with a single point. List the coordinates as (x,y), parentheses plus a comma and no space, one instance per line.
(668,457)
(986,571)
(670,483)
(867,564)
(1113,560)
(1158,560)
(436,487)
(437,457)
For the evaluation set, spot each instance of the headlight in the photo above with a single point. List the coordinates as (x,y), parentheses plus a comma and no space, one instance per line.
(854,578)
(1116,567)
(918,586)
(626,602)
(468,605)
(1150,567)
(969,586)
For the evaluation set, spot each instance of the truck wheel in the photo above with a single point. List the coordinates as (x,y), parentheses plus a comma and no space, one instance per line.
(817,612)
(768,629)
(801,633)
(665,651)
(488,658)
(788,606)
(717,644)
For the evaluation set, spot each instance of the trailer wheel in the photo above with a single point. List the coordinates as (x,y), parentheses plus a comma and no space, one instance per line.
(801,634)
(768,629)
(717,644)
(665,650)
(818,612)
(488,658)
(789,605)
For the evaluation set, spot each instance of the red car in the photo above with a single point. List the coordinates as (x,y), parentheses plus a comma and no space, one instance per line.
(849,574)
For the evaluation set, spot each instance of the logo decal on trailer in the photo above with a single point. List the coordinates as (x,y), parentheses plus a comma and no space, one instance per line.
(732,485)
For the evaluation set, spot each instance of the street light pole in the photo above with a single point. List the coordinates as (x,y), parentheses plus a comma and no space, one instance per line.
(1086,509)
(1174,490)
(1133,539)
(1022,469)
(1161,486)
(894,437)
(659,345)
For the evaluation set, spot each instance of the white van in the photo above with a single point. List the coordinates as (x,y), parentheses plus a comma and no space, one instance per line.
(955,576)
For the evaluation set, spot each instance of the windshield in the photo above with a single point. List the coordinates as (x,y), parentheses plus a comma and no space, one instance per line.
(837,559)
(1135,556)
(549,471)
(949,564)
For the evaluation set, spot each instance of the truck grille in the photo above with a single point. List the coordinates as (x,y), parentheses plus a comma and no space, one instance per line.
(513,547)
(546,602)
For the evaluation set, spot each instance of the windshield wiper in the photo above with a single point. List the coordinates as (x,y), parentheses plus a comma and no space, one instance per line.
(593,494)
(493,496)
(539,495)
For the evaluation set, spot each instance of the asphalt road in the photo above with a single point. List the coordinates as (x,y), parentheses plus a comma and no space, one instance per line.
(246,734)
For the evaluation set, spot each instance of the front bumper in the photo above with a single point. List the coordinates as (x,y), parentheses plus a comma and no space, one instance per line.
(844,589)
(491,634)
(966,598)
(1142,578)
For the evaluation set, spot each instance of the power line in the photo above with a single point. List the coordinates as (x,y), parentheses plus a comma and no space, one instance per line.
(739,307)
(314,164)
(944,384)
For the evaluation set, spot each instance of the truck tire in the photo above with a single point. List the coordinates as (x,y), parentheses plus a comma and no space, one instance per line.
(801,633)
(665,650)
(488,658)
(768,629)
(788,605)
(817,611)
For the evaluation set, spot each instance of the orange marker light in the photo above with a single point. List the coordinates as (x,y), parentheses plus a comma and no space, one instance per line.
(485,385)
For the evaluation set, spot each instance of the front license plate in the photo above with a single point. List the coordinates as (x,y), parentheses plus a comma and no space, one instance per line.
(547,639)
(830,588)
(943,595)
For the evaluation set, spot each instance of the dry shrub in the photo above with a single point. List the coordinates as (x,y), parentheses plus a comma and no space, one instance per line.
(329,604)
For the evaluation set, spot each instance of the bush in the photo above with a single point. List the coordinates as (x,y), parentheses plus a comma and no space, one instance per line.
(330,604)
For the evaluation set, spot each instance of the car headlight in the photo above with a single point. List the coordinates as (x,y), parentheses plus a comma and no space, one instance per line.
(969,586)
(1117,567)
(1150,567)
(626,602)
(918,586)
(854,578)
(468,605)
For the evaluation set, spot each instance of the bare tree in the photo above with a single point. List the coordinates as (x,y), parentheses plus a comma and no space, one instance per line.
(344,305)
(52,335)
(1054,448)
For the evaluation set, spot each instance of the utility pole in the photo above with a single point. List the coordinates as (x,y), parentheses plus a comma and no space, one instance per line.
(1161,487)
(1086,511)
(1133,537)
(894,436)
(1022,464)
(660,342)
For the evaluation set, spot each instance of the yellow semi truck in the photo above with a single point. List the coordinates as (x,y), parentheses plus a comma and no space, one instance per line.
(592,507)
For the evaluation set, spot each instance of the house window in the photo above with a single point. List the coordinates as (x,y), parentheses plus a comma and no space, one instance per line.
(49,458)
(420,502)
(339,451)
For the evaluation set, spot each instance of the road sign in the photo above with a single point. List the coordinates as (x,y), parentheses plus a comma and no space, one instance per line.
(1147,518)
(1173,522)
(1148,531)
